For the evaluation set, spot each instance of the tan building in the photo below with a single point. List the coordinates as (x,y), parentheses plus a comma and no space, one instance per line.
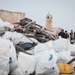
(49,21)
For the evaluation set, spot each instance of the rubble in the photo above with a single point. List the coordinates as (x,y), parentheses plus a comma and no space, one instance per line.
(31,29)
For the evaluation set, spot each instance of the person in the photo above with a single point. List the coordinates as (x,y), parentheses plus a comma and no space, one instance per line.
(74,36)
(67,34)
(71,37)
(62,34)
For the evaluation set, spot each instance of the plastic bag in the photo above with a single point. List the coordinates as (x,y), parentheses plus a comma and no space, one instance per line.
(61,44)
(13,62)
(46,65)
(26,62)
(46,59)
(16,37)
(4,56)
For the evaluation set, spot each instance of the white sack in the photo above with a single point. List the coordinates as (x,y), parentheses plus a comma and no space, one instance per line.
(46,64)
(13,63)
(16,37)
(61,44)
(71,47)
(26,62)
(4,56)
(13,51)
(7,35)
(7,51)
(43,48)
(64,57)
(42,70)
(46,59)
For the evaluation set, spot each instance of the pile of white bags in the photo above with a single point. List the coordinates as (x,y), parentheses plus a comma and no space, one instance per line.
(45,57)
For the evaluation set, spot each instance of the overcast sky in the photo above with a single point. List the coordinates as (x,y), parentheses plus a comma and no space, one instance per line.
(63,11)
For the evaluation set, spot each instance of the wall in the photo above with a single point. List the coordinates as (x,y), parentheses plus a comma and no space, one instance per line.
(11,16)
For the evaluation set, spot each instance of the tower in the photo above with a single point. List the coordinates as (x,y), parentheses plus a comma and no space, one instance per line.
(49,21)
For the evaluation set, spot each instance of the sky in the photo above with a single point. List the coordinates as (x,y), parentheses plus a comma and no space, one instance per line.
(63,11)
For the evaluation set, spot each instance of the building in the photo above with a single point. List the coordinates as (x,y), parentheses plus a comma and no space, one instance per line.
(49,21)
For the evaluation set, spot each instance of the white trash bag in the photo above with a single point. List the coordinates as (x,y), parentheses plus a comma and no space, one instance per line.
(47,66)
(13,62)
(16,37)
(4,56)
(64,57)
(46,59)
(26,63)
(43,47)
(61,44)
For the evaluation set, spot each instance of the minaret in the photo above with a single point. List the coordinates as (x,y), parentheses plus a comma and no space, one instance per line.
(49,21)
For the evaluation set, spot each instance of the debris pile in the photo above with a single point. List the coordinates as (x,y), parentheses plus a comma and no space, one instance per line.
(31,29)
(30,49)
